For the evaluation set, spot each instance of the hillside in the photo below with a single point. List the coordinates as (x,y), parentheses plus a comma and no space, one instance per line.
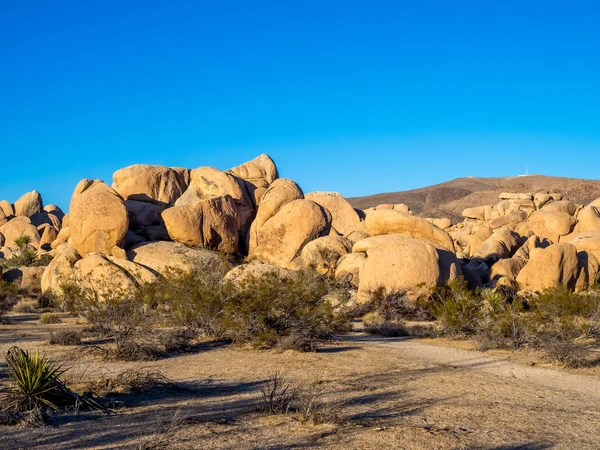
(450,198)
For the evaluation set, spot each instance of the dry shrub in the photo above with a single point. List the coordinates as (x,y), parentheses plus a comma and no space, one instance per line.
(161,434)
(375,323)
(306,401)
(176,340)
(25,307)
(50,318)
(567,353)
(136,350)
(132,381)
(65,337)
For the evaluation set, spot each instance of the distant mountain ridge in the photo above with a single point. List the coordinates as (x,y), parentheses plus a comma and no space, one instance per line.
(450,198)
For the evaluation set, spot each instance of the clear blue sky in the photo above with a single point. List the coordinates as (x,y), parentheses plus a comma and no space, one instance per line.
(358,97)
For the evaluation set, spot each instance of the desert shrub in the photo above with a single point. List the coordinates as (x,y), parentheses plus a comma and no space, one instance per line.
(65,337)
(8,297)
(567,353)
(263,310)
(131,381)
(457,309)
(25,307)
(36,385)
(396,306)
(50,318)
(299,342)
(375,323)
(194,300)
(176,340)
(278,395)
(136,350)
(115,313)
(26,256)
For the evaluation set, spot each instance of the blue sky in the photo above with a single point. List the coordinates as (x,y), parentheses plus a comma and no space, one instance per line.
(358,97)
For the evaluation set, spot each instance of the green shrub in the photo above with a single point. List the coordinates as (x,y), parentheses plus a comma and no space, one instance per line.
(264,309)
(457,309)
(36,385)
(8,297)
(50,318)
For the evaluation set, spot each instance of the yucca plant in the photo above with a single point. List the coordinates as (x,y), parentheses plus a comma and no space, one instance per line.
(37,385)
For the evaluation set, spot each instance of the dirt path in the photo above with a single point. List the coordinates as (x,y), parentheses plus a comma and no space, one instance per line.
(380,393)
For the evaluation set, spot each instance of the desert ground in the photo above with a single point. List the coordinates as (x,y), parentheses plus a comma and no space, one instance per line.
(378,393)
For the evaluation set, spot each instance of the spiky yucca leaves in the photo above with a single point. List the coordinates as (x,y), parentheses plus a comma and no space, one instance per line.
(37,385)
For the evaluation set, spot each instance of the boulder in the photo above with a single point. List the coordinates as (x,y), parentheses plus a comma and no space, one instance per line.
(562,206)
(148,183)
(552,267)
(501,244)
(49,235)
(588,271)
(588,241)
(2,240)
(260,172)
(281,192)
(247,273)
(59,272)
(398,264)
(541,199)
(211,223)
(515,196)
(382,222)
(443,223)
(53,209)
(588,219)
(29,204)
(63,237)
(161,257)
(509,268)
(281,238)
(7,208)
(98,218)
(344,217)
(110,277)
(356,236)
(323,253)
(548,225)
(531,243)
(17,227)
(348,268)
(482,213)
(3,218)
(45,218)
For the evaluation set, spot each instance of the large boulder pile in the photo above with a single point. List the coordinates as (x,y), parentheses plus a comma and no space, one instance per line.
(157,220)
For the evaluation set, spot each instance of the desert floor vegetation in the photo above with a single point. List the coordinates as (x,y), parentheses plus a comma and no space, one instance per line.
(196,362)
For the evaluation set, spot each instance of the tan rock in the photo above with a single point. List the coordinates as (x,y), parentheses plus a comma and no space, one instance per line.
(516,196)
(17,227)
(282,237)
(2,240)
(245,274)
(27,278)
(509,268)
(344,217)
(356,236)
(531,243)
(44,217)
(589,269)
(348,268)
(148,183)
(393,222)
(501,244)
(161,257)
(401,207)
(281,192)
(541,199)
(553,267)
(260,172)
(98,218)
(53,209)
(48,236)
(399,264)
(110,277)
(562,206)
(442,223)
(29,204)
(323,253)
(588,219)
(482,213)
(212,223)
(7,208)
(548,225)
(3,218)
(588,241)
(62,238)
(65,220)
(59,272)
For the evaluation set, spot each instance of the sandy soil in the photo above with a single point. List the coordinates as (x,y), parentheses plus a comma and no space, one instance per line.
(386,393)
